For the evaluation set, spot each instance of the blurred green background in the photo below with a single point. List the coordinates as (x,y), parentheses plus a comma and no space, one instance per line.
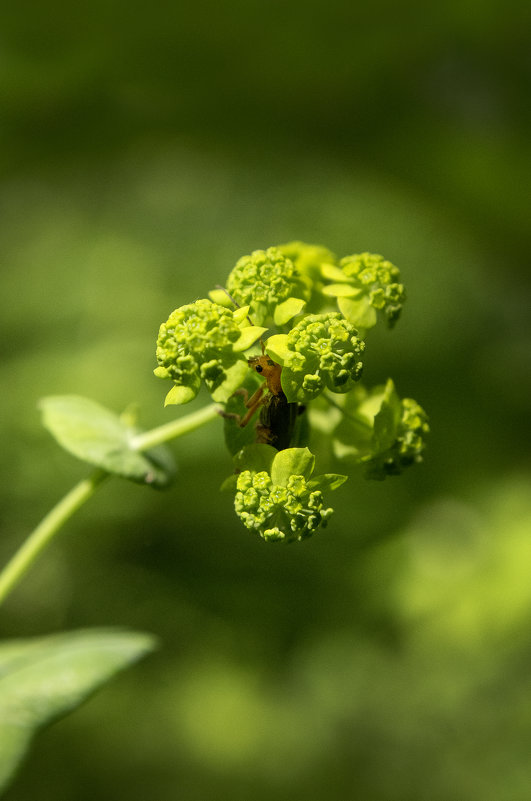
(144,150)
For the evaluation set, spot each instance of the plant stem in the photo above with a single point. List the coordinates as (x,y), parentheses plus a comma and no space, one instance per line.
(78,495)
(173,429)
(359,421)
(46,530)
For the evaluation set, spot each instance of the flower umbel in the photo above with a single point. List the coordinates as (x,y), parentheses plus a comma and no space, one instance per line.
(201,342)
(263,281)
(381,431)
(365,284)
(407,447)
(282,503)
(321,352)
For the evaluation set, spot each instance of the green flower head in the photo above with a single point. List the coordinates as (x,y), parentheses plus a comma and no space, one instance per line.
(202,342)
(264,281)
(321,352)
(282,503)
(381,431)
(366,284)
(407,447)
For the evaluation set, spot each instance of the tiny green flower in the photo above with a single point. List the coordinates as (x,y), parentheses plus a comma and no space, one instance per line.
(263,281)
(202,341)
(365,284)
(321,352)
(279,513)
(279,504)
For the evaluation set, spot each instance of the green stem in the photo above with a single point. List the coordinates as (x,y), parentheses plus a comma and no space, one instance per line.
(359,421)
(173,429)
(46,530)
(78,495)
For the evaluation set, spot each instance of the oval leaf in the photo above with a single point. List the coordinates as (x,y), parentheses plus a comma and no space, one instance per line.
(290,462)
(98,436)
(333,273)
(235,376)
(286,311)
(358,312)
(249,335)
(220,297)
(178,395)
(277,347)
(341,290)
(45,678)
(327,481)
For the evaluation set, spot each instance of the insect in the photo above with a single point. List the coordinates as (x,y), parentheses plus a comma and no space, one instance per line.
(277,417)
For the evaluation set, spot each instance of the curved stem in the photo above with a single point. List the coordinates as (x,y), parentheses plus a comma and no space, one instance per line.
(359,421)
(78,495)
(46,530)
(173,429)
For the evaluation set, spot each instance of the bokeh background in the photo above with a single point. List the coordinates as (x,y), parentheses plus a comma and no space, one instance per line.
(144,149)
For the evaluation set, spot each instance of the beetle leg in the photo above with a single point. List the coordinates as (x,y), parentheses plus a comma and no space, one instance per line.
(252,405)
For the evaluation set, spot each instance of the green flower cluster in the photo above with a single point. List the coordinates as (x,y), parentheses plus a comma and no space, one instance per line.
(407,446)
(322,351)
(264,281)
(277,498)
(314,353)
(366,283)
(287,513)
(380,431)
(201,341)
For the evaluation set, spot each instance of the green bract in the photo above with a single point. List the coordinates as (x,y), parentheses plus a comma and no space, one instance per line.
(264,281)
(364,284)
(321,352)
(308,259)
(203,342)
(381,432)
(407,446)
(284,503)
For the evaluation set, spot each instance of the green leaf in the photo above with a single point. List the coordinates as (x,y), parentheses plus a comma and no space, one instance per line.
(240,314)
(333,273)
(287,310)
(289,462)
(43,679)
(327,481)
(229,485)
(387,420)
(341,290)
(249,335)
(220,297)
(161,372)
(98,436)
(277,347)
(235,376)
(358,312)
(179,395)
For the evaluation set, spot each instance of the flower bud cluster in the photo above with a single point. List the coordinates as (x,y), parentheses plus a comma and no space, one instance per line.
(287,513)
(323,351)
(263,281)
(197,343)
(407,447)
(378,281)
